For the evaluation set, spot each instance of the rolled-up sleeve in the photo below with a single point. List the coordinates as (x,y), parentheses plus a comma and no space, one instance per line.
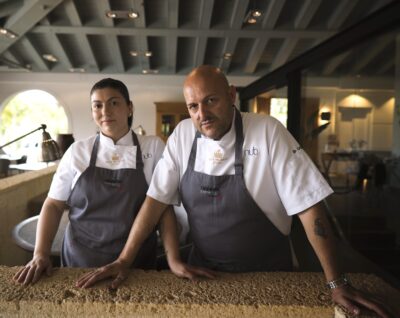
(61,184)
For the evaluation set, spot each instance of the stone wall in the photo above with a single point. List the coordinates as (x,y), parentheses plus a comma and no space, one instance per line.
(161,294)
(15,193)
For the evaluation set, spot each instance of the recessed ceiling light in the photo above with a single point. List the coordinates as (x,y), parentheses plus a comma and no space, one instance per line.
(133,15)
(137,53)
(8,33)
(122,14)
(150,71)
(253,16)
(111,15)
(50,57)
(227,56)
(77,70)
(256,13)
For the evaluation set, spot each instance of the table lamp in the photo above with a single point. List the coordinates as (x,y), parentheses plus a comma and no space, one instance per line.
(49,148)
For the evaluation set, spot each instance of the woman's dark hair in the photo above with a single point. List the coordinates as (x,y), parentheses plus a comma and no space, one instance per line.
(117,85)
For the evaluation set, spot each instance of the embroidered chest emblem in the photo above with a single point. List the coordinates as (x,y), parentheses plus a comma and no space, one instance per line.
(218,156)
(115,158)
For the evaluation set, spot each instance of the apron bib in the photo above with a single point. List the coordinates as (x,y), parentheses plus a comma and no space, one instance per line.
(229,231)
(103,206)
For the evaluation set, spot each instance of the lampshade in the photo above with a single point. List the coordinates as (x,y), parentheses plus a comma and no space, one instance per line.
(49,150)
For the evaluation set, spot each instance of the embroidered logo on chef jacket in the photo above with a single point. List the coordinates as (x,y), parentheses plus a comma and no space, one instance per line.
(253,151)
(213,159)
(218,157)
(115,159)
(147,155)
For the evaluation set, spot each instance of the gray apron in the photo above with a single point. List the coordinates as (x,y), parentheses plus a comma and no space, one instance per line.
(229,231)
(103,205)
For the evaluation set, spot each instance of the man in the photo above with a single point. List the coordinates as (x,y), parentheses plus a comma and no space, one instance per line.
(240,178)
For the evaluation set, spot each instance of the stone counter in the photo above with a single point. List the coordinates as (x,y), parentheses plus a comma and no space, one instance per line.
(161,294)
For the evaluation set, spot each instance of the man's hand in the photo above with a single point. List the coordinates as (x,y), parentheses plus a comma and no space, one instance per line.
(184,270)
(118,269)
(352,300)
(33,270)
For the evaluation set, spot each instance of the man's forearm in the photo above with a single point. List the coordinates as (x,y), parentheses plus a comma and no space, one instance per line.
(145,222)
(322,239)
(169,234)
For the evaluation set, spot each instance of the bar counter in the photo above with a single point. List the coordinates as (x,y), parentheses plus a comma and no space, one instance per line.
(161,294)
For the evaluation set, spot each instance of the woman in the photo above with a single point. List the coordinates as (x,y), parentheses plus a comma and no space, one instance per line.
(103,181)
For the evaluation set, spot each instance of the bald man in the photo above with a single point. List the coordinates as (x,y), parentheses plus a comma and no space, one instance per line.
(240,177)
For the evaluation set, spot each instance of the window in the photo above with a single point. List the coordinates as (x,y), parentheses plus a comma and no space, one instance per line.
(279,109)
(25,112)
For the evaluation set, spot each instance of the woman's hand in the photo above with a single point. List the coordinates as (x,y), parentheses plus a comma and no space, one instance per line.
(184,270)
(33,270)
(353,300)
(117,269)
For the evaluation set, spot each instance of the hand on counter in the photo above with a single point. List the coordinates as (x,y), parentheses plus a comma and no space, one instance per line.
(184,270)
(32,271)
(117,269)
(352,300)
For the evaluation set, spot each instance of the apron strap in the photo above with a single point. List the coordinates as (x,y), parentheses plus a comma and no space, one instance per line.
(238,143)
(93,156)
(139,158)
(193,152)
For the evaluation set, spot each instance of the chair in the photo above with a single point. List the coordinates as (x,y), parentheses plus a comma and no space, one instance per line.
(4,164)
(326,160)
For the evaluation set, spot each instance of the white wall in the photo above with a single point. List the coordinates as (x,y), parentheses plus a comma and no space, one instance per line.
(72,91)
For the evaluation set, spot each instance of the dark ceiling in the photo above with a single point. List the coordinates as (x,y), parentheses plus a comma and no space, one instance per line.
(179,34)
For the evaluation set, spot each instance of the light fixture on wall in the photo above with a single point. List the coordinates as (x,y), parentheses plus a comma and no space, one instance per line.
(140,130)
(355,99)
(317,122)
(325,116)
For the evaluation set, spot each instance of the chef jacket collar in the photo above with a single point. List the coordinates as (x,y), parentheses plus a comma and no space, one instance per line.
(126,140)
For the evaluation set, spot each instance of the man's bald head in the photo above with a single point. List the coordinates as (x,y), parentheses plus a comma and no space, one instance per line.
(207,72)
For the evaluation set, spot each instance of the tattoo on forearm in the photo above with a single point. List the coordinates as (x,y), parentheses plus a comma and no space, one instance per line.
(319,228)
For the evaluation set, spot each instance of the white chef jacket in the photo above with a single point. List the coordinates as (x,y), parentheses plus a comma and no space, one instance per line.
(278,174)
(110,156)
